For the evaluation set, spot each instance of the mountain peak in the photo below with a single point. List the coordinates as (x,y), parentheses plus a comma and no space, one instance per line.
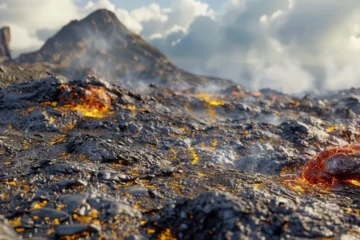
(98,32)
(102,16)
(100,43)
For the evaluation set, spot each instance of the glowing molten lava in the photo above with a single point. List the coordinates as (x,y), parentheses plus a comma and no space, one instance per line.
(210,103)
(340,163)
(209,99)
(257,94)
(90,101)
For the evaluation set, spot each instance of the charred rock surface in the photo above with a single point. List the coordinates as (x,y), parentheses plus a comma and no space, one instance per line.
(251,216)
(85,159)
(16,74)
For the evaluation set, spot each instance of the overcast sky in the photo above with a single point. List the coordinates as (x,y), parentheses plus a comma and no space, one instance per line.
(289,45)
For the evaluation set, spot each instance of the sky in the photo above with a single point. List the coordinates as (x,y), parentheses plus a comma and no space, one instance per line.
(287,45)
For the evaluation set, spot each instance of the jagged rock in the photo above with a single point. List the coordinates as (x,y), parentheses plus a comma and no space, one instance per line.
(50,213)
(76,229)
(98,150)
(5,38)
(223,216)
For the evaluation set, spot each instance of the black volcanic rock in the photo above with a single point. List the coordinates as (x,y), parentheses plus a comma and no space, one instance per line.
(217,215)
(5,38)
(101,44)
(14,74)
(166,164)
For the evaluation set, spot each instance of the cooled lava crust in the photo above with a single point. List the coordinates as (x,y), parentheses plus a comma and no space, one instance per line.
(85,159)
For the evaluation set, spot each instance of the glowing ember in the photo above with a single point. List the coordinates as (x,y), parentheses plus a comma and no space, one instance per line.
(341,163)
(257,94)
(210,102)
(297,185)
(166,235)
(216,103)
(239,94)
(331,129)
(209,98)
(195,157)
(131,107)
(354,182)
(298,188)
(16,222)
(90,101)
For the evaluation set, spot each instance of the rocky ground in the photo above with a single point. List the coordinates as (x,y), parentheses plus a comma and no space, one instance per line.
(88,160)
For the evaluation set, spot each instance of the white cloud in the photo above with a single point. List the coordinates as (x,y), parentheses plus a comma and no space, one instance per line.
(131,23)
(49,13)
(176,28)
(157,21)
(22,40)
(25,23)
(177,41)
(284,44)
(185,12)
(91,6)
(153,12)
(156,36)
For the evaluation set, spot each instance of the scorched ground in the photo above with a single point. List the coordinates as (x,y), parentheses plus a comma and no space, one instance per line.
(85,159)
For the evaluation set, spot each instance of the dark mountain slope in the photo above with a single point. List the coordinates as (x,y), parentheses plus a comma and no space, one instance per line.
(101,44)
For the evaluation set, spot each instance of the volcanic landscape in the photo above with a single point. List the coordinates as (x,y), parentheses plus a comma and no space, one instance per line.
(90,152)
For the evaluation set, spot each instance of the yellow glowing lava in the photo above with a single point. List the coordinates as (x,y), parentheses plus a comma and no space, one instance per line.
(298,188)
(210,102)
(354,182)
(90,111)
(57,140)
(16,222)
(131,107)
(257,94)
(210,99)
(331,129)
(166,234)
(94,102)
(194,156)
(39,205)
(216,103)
